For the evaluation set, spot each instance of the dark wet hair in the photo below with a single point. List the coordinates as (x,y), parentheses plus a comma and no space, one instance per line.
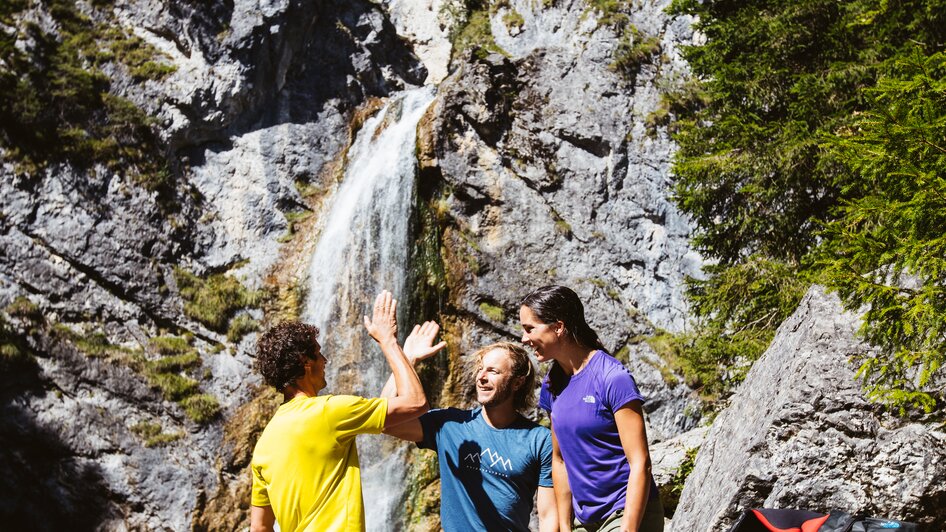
(560,303)
(282,350)
(522,366)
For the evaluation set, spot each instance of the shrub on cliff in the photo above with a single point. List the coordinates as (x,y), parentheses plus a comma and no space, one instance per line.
(55,100)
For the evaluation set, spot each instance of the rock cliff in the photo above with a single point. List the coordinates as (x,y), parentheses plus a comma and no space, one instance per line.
(800,434)
(538,167)
(128,398)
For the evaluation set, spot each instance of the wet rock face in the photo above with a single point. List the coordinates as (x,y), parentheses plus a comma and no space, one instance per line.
(546,174)
(259,106)
(800,434)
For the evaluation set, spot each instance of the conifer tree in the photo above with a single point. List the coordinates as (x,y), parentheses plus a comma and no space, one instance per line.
(760,176)
(885,250)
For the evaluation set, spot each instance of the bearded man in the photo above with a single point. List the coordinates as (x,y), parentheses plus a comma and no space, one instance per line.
(493,460)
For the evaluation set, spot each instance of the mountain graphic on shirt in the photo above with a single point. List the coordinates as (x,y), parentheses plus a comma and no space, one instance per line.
(488,456)
(590,399)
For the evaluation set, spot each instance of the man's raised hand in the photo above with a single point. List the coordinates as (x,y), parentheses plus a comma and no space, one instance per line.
(419,345)
(382,325)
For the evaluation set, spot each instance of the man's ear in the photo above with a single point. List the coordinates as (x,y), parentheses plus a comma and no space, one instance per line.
(518,382)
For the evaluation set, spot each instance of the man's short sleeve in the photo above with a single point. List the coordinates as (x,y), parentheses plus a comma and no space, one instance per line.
(620,388)
(352,415)
(545,459)
(431,422)
(260,496)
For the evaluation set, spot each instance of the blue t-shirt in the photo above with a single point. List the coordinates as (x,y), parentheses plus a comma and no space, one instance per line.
(582,416)
(488,476)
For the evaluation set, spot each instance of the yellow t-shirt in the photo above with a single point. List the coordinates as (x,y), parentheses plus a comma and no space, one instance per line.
(305,464)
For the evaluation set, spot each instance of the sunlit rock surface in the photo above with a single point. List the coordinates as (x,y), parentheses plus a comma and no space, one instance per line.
(546,173)
(800,434)
(257,112)
(535,167)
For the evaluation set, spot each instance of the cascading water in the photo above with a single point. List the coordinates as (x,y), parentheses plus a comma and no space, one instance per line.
(363,249)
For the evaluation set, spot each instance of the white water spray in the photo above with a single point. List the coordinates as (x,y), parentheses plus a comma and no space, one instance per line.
(364,248)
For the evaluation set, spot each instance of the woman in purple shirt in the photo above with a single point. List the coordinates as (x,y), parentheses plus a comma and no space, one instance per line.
(600,461)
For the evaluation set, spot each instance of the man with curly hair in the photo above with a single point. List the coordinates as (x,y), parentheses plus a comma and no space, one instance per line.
(493,460)
(305,465)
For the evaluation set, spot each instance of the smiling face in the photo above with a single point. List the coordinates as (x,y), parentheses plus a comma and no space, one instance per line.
(315,368)
(542,337)
(495,382)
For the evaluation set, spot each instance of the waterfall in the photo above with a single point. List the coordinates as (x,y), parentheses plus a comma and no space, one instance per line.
(363,248)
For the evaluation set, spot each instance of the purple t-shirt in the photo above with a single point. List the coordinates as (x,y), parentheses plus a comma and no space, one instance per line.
(583,419)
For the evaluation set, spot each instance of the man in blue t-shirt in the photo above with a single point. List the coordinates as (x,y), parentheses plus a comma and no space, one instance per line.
(493,460)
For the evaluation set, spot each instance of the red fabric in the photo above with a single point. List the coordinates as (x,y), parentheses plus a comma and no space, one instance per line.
(774,528)
(812,525)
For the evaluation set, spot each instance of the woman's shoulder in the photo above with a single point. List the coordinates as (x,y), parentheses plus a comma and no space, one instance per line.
(604,361)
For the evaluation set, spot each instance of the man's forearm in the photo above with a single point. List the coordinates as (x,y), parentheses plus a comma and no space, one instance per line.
(563,495)
(390,389)
(262,519)
(547,510)
(407,386)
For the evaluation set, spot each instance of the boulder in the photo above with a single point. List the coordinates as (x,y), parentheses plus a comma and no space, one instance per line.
(800,433)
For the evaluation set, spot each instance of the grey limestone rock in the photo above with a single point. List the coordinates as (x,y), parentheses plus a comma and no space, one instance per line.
(800,433)
(548,175)
(261,99)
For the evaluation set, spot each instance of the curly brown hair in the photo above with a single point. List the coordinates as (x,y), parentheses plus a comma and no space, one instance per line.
(282,350)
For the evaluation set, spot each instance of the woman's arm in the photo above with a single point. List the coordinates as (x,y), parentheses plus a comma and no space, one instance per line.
(630,423)
(563,493)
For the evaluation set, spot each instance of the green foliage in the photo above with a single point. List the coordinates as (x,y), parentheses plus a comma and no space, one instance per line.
(739,309)
(240,326)
(214,300)
(610,12)
(294,219)
(493,312)
(153,434)
(24,309)
(513,19)
(201,408)
(168,372)
(786,140)
(55,104)
(173,373)
(886,247)
(670,492)
(633,50)
(14,353)
(134,53)
(428,267)
(676,100)
(472,30)
(97,345)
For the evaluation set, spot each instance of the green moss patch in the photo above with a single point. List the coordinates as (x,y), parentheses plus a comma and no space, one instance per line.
(201,408)
(154,434)
(241,326)
(55,99)
(215,299)
(472,30)
(670,492)
(493,312)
